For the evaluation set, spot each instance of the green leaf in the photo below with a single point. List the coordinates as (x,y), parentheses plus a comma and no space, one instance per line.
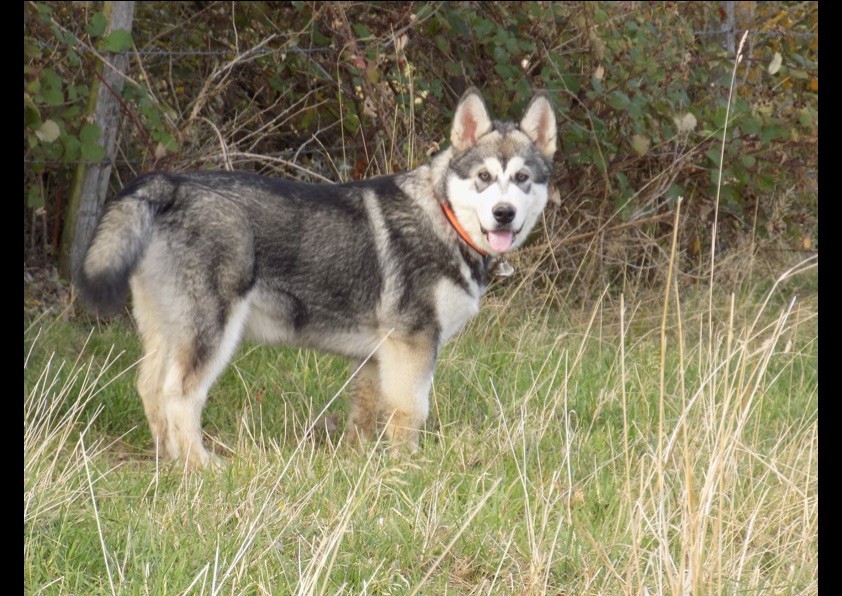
(30,50)
(806,117)
(67,38)
(34,198)
(34,86)
(637,108)
(31,117)
(72,113)
(751,126)
(92,152)
(501,56)
(352,123)
(622,207)
(748,161)
(90,134)
(441,44)
(766,182)
(805,62)
(772,132)
(319,39)
(504,71)
(675,191)
(73,58)
(501,37)
(572,83)
(170,144)
(72,147)
(511,45)
(526,45)
(97,25)
(622,180)
(90,147)
(275,83)
(52,96)
(742,175)
(483,28)
(713,155)
(51,84)
(361,30)
(118,40)
(619,100)
(598,161)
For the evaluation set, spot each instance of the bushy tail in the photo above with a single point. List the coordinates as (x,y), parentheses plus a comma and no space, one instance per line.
(115,251)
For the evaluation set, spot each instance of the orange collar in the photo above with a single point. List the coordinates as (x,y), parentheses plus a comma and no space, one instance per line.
(451,217)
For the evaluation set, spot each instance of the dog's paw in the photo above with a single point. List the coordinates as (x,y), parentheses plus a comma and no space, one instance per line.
(216,462)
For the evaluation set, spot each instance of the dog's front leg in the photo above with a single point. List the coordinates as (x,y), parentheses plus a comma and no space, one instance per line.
(406,375)
(365,404)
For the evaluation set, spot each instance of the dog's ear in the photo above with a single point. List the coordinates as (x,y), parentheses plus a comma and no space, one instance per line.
(539,124)
(470,122)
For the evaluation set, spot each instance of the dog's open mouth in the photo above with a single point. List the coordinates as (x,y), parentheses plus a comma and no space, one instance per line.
(500,240)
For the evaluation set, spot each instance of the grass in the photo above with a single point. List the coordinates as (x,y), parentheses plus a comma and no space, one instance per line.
(627,448)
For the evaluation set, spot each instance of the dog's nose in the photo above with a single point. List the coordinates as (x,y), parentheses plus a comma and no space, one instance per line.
(503,213)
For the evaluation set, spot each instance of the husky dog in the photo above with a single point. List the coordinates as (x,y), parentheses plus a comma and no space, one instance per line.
(382,271)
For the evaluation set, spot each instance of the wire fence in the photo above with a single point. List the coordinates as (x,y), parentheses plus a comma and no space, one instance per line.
(293,49)
(756,34)
(234,54)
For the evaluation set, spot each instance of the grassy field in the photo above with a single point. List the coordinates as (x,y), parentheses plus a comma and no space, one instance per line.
(616,448)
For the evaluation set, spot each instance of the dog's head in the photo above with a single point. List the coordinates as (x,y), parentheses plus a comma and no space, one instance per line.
(499,173)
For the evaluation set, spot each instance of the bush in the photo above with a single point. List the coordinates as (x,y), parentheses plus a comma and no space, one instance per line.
(344,91)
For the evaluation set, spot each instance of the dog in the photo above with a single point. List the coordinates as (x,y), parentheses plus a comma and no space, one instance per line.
(381,271)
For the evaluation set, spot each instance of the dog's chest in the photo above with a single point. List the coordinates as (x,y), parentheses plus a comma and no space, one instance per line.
(455,306)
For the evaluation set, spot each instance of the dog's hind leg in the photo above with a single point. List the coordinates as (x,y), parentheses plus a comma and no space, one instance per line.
(365,404)
(406,376)
(150,381)
(152,367)
(194,366)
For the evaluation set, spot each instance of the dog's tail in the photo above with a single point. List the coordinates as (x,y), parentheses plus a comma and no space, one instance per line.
(119,243)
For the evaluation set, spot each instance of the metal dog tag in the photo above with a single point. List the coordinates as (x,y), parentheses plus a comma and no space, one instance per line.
(502,268)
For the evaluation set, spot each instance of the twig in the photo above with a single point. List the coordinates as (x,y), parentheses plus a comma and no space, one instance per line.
(586,235)
(284,162)
(222,74)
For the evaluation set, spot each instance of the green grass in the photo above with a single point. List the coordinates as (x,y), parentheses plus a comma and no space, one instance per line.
(565,456)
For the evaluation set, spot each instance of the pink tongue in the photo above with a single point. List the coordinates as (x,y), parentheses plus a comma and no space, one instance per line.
(501,240)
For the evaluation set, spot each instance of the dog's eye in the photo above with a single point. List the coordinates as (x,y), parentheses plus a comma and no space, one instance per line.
(521,177)
(484,176)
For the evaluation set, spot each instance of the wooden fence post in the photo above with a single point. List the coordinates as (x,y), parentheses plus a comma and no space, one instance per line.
(90,184)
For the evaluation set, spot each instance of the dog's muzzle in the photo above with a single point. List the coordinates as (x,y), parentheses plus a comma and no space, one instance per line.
(502,238)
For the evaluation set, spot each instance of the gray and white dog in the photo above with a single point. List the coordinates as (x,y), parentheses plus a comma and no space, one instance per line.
(382,271)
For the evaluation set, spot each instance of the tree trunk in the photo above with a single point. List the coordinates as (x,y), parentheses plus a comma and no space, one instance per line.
(90,184)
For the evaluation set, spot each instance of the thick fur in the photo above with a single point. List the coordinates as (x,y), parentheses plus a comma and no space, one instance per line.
(370,268)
